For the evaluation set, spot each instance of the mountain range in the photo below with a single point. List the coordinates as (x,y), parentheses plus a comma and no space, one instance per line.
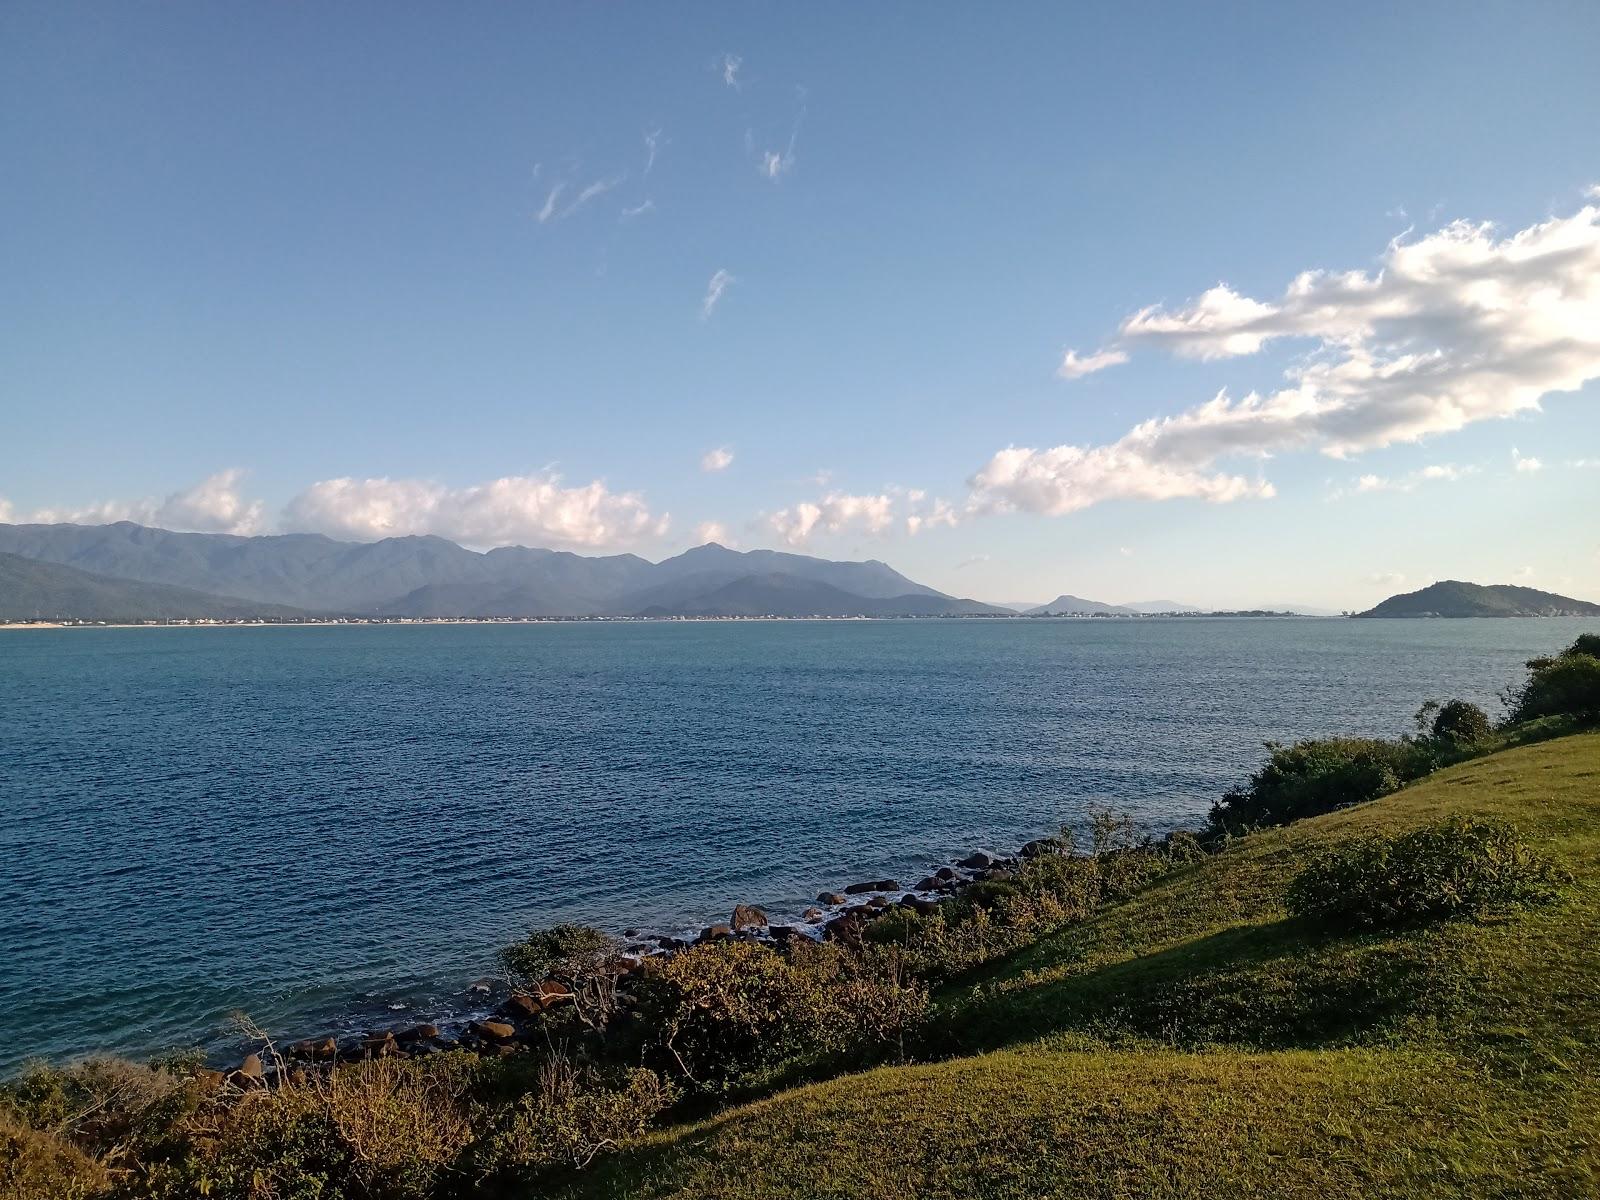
(128,571)
(1454,598)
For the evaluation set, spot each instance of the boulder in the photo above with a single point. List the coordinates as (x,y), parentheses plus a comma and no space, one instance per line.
(926,884)
(878,902)
(670,944)
(945,875)
(315,1049)
(783,934)
(553,991)
(846,927)
(748,916)
(811,916)
(977,861)
(496,1031)
(249,1073)
(832,899)
(713,933)
(872,885)
(418,1033)
(1044,845)
(520,1004)
(921,904)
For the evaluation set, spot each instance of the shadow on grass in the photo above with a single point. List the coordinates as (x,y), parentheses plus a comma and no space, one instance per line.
(1286,984)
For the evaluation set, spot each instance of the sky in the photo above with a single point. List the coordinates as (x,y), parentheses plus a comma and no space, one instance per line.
(1230,305)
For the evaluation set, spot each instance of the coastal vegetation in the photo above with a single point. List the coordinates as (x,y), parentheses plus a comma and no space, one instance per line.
(1376,971)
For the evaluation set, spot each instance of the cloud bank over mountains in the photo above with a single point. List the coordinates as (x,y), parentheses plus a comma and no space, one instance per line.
(1447,330)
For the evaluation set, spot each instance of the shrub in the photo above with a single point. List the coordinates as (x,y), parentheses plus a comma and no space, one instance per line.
(1314,777)
(1458,866)
(1566,685)
(35,1165)
(1456,723)
(105,1106)
(571,1118)
(576,954)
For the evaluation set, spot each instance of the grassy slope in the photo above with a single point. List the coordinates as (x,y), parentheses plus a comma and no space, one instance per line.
(1196,1043)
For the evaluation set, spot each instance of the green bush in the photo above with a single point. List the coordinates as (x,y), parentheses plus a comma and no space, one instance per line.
(1456,723)
(1455,867)
(1566,685)
(1314,777)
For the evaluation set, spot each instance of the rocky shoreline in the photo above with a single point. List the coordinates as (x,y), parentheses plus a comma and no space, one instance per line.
(501,1020)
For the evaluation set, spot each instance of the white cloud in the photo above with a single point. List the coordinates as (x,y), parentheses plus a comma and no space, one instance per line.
(1523,463)
(214,505)
(1453,328)
(1446,471)
(777,163)
(1064,479)
(1387,578)
(652,145)
(638,210)
(834,513)
(730,70)
(534,510)
(553,210)
(720,282)
(1125,551)
(1523,573)
(719,459)
(974,561)
(1075,367)
(929,516)
(550,201)
(1373,483)
(712,531)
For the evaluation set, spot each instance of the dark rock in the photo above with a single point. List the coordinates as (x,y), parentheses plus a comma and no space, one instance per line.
(496,1031)
(315,1049)
(783,933)
(713,933)
(249,1073)
(945,875)
(671,943)
(878,902)
(832,899)
(921,904)
(630,933)
(1045,845)
(520,1004)
(926,884)
(872,885)
(481,988)
(846,927)
(811,915)
(748,916)
(418,1033)
(977,861)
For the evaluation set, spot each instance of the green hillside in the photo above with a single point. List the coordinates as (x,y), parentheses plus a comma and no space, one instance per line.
(33,590)
(1198,1042)
(1453,598)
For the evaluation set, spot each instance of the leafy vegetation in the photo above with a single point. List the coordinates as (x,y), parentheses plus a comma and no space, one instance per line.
(1456,867)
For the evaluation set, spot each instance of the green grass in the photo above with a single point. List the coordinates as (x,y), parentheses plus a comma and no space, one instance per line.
(1196,1042)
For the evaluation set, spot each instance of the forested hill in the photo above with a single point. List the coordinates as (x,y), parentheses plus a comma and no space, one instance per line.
(1453,598)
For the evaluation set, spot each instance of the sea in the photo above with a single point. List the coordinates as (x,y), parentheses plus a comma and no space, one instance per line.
(331,828)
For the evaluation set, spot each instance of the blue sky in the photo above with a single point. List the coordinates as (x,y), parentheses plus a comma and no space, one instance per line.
(283,267)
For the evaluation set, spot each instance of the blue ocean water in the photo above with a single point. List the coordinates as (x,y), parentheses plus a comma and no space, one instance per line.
(323,823)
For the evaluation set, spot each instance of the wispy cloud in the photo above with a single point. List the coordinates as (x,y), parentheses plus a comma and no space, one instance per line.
(554,210)
(638,210)
(719,459)
(720,283)
(1434,473)
(1075,367)
(730,70)
(775,164)
(975,560)
(550,201)
(652,145)
(1523,463)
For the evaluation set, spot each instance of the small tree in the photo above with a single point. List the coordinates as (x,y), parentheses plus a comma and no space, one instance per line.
(1454,723)
(582,958)
(1567,685)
